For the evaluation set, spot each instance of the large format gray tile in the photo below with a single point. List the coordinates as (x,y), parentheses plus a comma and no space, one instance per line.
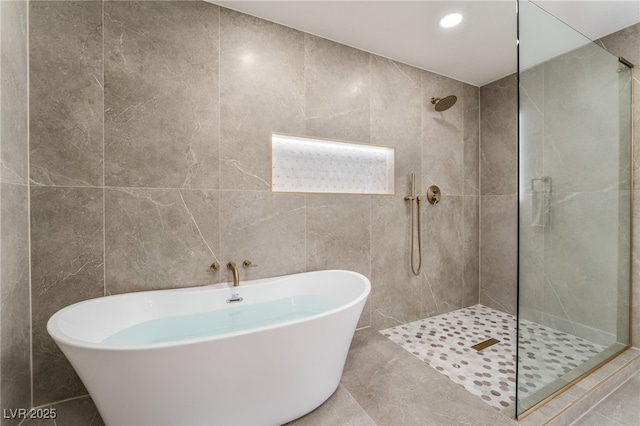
(66,92)
(340,409)
(615,394)
(396,295)
(531,127)
(270,233)
(471,136)
(532,215)
(581,259)
(471,200)
(582,124)
(618,408)
(15,326)
(337,90)
(67,266)
(75,412)
(40,422)
(161,94)
(443,273)
(635,279)
(395,388)
(531,263)
(78,412)
(261,91)
(396,108)
(499,252)
(471,250)
(443,143)
(15,366)
(636,130)
(593,418)
(14,86)
(338,232)
(499,136)
(160,238)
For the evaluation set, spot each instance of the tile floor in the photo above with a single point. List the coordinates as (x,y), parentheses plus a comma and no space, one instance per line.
(444,342)
(619,408)
(383,384)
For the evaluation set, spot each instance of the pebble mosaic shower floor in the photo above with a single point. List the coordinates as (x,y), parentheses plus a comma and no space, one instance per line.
(444,342)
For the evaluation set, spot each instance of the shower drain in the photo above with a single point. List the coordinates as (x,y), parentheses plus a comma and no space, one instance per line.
(483,345)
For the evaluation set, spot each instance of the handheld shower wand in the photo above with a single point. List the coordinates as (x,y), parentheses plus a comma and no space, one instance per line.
(418,199)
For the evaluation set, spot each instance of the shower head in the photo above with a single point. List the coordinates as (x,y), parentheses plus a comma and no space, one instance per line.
(443,104)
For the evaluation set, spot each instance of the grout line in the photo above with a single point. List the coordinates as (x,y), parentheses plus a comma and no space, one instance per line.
(304,112)
(158,187)
(463,215)
(305,120)
(29,207)
(1,181)
(479,194)
(218,278)
(370,249)
(104,180)
(117,187)
(62,401)
(421,215)
(370,77)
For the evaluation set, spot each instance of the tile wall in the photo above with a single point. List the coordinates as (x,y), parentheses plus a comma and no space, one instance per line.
(14,208)
(499,194)
(150,131)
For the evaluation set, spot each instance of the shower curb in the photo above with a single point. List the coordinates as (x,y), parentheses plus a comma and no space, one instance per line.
(627,363)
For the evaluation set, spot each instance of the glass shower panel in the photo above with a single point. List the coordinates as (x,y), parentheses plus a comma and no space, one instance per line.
(574,205)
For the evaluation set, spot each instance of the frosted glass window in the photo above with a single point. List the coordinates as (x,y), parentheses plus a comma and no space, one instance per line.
(300,164)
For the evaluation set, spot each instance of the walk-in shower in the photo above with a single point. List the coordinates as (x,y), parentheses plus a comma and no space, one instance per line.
(575,183)
(575,165)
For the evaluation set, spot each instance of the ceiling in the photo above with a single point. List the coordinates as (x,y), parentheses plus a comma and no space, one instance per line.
(480,50)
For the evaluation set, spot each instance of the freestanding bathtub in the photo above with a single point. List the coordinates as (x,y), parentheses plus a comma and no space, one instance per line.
(188,357)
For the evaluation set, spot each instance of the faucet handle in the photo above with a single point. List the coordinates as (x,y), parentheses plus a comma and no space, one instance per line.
(215,266)
(248,264)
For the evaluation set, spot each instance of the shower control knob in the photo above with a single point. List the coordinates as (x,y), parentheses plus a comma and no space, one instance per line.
(433,194)
(248,264)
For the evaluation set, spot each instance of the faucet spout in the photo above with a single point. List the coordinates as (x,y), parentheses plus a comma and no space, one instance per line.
(236,277)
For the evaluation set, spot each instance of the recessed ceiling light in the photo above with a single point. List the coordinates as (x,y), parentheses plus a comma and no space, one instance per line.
(451,20)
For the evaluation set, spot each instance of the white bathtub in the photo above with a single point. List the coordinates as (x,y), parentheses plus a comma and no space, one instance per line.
(249,374)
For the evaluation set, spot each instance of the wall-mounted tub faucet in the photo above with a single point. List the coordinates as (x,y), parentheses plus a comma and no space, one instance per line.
(236,282)
(236,277)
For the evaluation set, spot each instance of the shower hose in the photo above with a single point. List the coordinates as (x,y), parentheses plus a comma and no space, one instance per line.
(418,199)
